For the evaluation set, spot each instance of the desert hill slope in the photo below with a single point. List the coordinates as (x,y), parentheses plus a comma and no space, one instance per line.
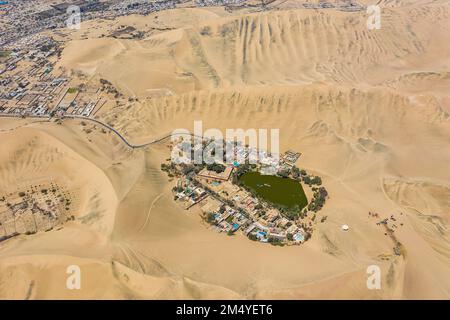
(275,47)
(368,109)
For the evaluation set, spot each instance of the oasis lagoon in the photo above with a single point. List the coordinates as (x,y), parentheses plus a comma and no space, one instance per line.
(284,192)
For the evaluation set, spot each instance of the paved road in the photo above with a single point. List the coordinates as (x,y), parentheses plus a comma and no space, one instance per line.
(133,146)
(105,125)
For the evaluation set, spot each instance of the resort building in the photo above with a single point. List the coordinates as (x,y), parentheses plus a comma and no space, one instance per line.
(223,176)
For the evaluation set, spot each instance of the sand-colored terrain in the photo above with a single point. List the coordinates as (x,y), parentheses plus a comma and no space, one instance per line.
(368,109)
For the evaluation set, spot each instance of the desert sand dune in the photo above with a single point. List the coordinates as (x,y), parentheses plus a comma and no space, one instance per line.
(369,110)
(280,47)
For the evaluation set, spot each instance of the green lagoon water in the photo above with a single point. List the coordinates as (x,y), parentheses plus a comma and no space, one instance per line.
(282,191)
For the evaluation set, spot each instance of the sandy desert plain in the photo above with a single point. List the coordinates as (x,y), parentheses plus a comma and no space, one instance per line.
(368,109)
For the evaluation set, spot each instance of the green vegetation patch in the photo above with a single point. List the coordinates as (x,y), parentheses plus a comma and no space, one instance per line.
(283,192)
(4,54)
(216,167)
(72,90)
